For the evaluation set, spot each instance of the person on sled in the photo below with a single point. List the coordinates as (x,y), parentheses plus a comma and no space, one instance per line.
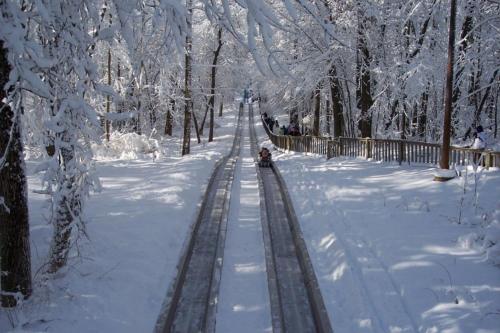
(264,157)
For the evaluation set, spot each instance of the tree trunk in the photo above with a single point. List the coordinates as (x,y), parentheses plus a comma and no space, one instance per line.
(444,163)
(119,107)
(15,265)
(138,121)
(337,103)
(170,118)
(477,115)
(461,74)
(317,109)
(203,121)
(422,117)
(211,101)
(328,117)
(68,208)
(108,98)
(402,122)
(495,133)
(363,78)
(188,108)
(221,105)
(196,128)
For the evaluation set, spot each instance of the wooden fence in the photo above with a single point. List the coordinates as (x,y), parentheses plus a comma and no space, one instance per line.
(401,151)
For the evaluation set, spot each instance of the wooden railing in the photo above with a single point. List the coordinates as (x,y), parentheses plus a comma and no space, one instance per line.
(401,151)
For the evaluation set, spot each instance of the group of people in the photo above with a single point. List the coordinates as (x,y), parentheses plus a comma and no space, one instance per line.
(292,129)
(271,123)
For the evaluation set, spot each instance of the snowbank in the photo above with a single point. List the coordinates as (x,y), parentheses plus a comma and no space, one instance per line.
(126,146)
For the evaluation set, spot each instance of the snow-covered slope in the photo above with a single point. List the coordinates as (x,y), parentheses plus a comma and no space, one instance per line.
(395,251)
(136,226)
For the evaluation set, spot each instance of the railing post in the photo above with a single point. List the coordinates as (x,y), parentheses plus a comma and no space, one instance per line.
(368,152)
(487,160)
(329,148)
(400,151)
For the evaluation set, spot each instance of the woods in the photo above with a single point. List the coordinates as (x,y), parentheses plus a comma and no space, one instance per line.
(74,73)
(387,67)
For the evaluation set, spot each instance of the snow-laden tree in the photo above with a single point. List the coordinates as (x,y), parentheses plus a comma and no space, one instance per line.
(381,65)
(60,59)
(65,78)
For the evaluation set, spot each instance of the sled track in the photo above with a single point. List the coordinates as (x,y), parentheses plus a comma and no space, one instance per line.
(296,301)
(191,301)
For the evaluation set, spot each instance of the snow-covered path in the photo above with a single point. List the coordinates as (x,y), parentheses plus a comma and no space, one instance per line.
(243,295)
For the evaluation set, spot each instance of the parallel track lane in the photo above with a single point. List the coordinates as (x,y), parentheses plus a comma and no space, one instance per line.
(296,301)
(192,298)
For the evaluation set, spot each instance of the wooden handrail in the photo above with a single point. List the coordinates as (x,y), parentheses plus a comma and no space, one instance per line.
(387,150)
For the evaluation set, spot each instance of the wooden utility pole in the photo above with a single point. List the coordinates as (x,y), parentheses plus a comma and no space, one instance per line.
(188,102)
(15,263)
(444,163)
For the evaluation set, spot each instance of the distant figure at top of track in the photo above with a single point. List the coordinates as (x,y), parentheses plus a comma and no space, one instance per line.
(247,96)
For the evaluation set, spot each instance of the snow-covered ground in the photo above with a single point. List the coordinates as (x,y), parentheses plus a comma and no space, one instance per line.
(137,226)
(392,249)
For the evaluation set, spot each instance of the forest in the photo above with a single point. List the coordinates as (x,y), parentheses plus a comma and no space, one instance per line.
(78,75)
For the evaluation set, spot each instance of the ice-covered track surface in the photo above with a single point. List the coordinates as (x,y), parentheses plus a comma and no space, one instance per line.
(191,301)
(296,301)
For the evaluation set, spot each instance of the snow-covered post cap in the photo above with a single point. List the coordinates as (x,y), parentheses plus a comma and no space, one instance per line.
(443,175)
